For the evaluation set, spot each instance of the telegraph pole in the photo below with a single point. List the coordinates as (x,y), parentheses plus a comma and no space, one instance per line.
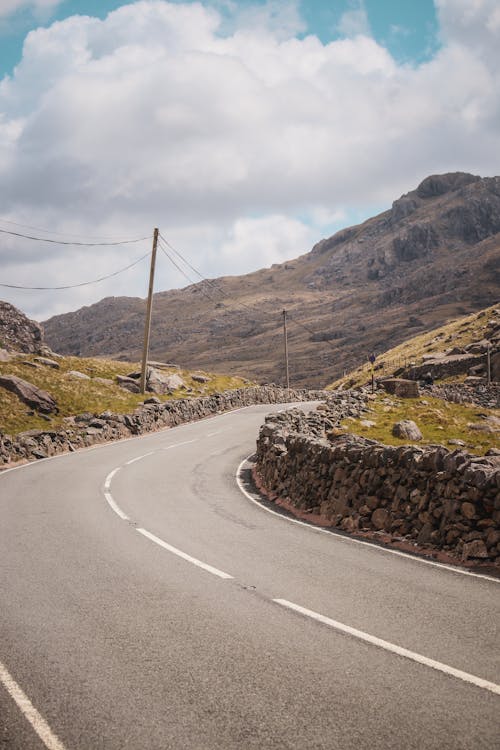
(147,327)
(286,350)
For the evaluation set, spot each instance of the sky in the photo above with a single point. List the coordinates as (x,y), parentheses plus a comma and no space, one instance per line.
(245,130)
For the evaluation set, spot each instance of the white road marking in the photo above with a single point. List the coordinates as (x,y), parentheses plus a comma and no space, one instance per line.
(115,507)
(133,460)
(177,445)
(353,540)
(188,558)
(107,481)
(392,647)
(49,739)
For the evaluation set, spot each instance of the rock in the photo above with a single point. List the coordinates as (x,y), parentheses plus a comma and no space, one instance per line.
(380,518)
(158,382)
(407,429)
(367,423)
(152,400)
(474,380)
(200,378)
(103,381)
(483,427)
(78,375)
(468,510)
(17,332)
(29,394)
(48,362)
(475,549)
(27,363)
(128,383)
(456,441)
(163,365)
(5,356)
(401,387)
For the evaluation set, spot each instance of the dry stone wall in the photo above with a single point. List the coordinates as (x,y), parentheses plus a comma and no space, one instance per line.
(88,429)
(427,496)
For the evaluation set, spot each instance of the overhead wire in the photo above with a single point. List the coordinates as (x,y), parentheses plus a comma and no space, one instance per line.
(228,296)
(83,283)
(181,270)
(66,242)
(51,231)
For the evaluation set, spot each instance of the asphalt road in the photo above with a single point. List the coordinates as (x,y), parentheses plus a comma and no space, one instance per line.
(146,602)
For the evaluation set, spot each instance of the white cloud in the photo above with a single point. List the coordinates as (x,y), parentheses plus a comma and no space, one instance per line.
(154,117)
(354,21)
(39,7)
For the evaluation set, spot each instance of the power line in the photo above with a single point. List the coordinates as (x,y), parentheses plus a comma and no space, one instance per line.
(210,282)
(181,270)
(218,288)
(83,283)
(65,242)
(51,231)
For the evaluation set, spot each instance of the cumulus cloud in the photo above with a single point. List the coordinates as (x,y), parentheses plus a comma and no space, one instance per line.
(244,143)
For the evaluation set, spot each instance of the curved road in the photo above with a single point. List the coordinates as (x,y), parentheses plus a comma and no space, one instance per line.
(147,603)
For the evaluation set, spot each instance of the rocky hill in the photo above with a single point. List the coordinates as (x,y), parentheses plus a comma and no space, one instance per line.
(17,332)
(434,256)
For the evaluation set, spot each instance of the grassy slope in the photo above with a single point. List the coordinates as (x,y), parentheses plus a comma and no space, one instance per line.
(456,333)
(439,421)
(75,396)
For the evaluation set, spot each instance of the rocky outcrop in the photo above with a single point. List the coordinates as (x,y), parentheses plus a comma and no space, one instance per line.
(17,332)
(425,496)
(89,429)
(29,394)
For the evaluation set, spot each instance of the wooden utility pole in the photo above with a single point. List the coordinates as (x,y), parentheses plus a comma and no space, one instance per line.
(147,327)
(286,350)
(488,364)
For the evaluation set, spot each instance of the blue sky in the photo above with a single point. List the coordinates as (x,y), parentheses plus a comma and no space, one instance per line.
(407,28)
(246,133)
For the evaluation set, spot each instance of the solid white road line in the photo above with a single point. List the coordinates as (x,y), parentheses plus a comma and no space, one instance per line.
(49,739)
(188,558)
(353,540)
(115,507)
(387,646)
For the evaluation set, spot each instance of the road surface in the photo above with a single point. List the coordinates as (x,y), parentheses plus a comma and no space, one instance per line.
(147,603)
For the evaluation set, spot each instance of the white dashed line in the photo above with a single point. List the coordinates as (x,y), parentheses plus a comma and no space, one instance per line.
(387,646)
(47,736)
(177,445)
(352,540)
(133,460)
(184,555)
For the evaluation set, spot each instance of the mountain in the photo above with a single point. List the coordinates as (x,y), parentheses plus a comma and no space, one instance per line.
(435,255)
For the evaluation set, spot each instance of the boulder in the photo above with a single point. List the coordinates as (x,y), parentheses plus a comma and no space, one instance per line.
(77,375)
(5,356)
(407,429)
(401,387)
(159,382)
(47,362)
(128,383)
(29,394)
(198,378)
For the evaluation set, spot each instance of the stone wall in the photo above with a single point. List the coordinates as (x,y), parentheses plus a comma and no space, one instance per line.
(426,496)
(460,393)
(88,429)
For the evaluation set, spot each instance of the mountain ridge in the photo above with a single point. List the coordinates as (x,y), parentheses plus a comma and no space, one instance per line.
(434,255)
